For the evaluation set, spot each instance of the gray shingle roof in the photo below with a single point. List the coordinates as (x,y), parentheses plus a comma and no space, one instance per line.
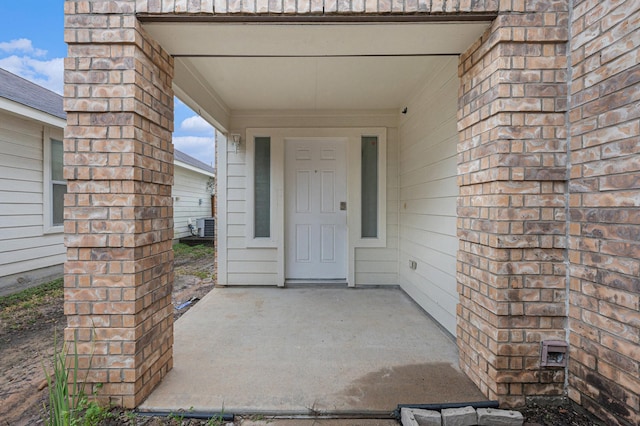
(30,94)
(24,92)
(181,156)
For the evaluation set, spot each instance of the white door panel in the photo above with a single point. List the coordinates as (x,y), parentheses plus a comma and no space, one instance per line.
(327,192)
(315,228)
(303,191)
(328,243)
(303,243)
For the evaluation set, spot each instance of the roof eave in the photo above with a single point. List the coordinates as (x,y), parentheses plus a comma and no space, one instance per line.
(17,108)
(193,168)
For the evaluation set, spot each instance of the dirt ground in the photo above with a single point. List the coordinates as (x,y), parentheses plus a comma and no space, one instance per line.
(27,342)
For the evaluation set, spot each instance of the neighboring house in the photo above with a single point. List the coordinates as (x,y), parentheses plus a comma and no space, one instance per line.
(482,155)
(193,188)
(32,185)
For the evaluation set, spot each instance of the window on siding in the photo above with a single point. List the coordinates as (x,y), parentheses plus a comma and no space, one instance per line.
(369,190)
(58,186)
(262,188)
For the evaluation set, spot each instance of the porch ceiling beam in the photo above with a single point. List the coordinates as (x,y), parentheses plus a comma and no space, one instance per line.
(319,19)
(405,55)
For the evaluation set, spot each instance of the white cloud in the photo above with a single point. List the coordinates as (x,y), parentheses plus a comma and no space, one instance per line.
(47,73)
(199,147)
(196,124)
(23,45)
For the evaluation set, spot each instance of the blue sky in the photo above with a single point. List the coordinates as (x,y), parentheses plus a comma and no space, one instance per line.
(32,46)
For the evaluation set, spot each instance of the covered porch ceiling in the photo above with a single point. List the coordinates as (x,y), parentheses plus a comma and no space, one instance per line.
(222,68)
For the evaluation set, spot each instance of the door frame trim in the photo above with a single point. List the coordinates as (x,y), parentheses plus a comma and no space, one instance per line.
(353,148)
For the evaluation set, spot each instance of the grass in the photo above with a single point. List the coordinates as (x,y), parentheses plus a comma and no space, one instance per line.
(35,296)
(194,252)
(203,275)
(24,308)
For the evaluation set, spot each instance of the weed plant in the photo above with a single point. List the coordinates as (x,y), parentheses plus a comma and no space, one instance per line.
(69,405)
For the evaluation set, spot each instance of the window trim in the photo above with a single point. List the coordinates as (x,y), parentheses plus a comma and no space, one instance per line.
(369,187)
(251,239)
(262,192)
(49,134)
(381,240)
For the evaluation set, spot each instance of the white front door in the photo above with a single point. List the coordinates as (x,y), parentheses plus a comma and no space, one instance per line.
(315,215)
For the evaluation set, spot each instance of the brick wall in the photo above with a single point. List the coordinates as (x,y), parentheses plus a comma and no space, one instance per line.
(513,223)
(511,208)
(317,6)
(118,211)
(604,234)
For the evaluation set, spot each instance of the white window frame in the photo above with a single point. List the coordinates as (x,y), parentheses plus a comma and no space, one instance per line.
(251,239)
(49,134)
(381,239)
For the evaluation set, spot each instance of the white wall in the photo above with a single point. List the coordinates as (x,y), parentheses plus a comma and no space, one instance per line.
(25,244)
(428,191)
(259,265)
(189,187)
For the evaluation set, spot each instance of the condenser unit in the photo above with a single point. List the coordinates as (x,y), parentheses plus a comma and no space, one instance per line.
(206,227)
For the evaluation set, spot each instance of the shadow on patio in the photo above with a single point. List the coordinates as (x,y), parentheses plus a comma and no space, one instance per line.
(300,351)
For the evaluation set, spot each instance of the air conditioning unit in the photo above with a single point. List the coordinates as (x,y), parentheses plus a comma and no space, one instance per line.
(206,226)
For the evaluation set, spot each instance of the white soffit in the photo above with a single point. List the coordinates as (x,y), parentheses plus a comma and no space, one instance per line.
(315,83)
(261,39)
(312,66)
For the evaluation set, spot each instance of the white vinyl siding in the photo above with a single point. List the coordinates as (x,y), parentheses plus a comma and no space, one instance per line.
(254,266)
(428,193)
(189,187)
(24,243)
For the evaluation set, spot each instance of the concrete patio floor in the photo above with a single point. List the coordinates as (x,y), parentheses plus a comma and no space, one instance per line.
(309,351)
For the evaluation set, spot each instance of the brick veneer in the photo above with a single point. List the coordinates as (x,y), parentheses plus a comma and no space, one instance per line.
(604,234)
(511,208)
(290,7)
(118,211)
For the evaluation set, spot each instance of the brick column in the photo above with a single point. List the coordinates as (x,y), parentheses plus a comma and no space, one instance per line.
(604,235)
(511,207)
(118,210)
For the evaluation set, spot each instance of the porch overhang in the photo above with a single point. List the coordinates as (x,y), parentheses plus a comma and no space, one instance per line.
(223,67)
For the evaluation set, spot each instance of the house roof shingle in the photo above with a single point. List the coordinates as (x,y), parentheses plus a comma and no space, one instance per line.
(181,156)
(17,89)
(24,92)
